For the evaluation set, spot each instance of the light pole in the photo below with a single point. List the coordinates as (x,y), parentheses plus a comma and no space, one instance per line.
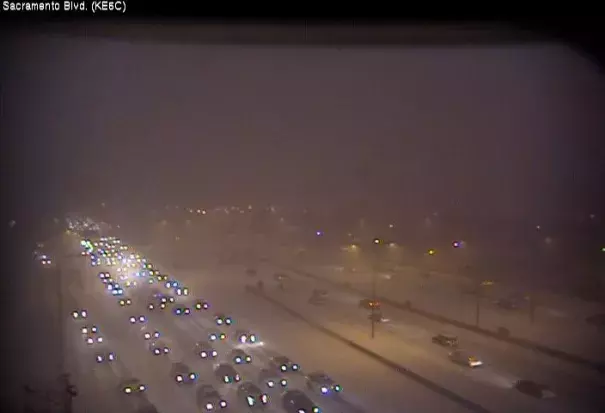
(376,242)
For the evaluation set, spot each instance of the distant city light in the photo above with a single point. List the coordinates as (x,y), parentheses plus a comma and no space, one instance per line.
(431,252)
(319,233)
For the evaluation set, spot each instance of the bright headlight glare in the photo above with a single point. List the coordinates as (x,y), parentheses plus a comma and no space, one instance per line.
(324,390)
(209,406)
(223,403)
(203,354)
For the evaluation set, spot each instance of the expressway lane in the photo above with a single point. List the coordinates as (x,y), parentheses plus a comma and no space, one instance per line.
(367,384)
(128,345)
(579,338)
(190,329)
(577,388)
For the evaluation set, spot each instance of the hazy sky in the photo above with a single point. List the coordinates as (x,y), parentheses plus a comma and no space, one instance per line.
(502,130)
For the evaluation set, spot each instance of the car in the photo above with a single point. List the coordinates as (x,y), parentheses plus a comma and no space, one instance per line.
(183,374)
(182,291)
(221,319)
(116,289)
(368,303)
(104,276)
(108,280)
(162,277)
(205,350)
(283,364)
(132,386)
(181,310)
(105,356)
(464,358)
(158,348)
(150,334)
(534,389)
(165,298)
(79,314)
(321,383)
(89,329)
(445,340)
(93,338)
(239,356)
(245,337)
(201,305)
(272,379)
(225,373)
(141,319)
(209,399)
(377,317)
(130,283)
(251,396)
(214,335)
(153,306)
(296,401)
(171,284)
(124,301)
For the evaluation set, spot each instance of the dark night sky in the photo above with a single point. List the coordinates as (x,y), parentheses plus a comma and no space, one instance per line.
(510,131)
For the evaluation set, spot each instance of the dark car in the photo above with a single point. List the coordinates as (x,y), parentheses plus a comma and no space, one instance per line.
(205,350)
(209,399)
(251,396)
(283,364)
(183,374)
(225,373)
(272,379)
(534,389)
(368,303)
(445,340)
(296,401)
(239,356)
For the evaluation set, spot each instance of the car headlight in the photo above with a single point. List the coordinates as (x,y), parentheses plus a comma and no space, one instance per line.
(203,354)
(223,403)
(179,378)
(214,353)
(324,389)
(127,390)
(209,406)
(192,376)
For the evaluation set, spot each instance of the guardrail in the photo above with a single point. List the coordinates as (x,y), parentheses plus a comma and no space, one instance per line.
(431,385)
(524,343)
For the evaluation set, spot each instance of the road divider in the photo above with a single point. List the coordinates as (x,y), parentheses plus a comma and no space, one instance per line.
(502,335)
(454,397)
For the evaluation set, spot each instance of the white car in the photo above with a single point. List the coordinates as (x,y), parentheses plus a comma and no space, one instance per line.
(138,319)
(158,348)
(150,334)
(79,314)
(465,359)
(132,387)
(246,337)
(215,335)
(105,356)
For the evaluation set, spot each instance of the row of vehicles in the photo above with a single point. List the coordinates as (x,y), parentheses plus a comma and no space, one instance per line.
(169,297)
